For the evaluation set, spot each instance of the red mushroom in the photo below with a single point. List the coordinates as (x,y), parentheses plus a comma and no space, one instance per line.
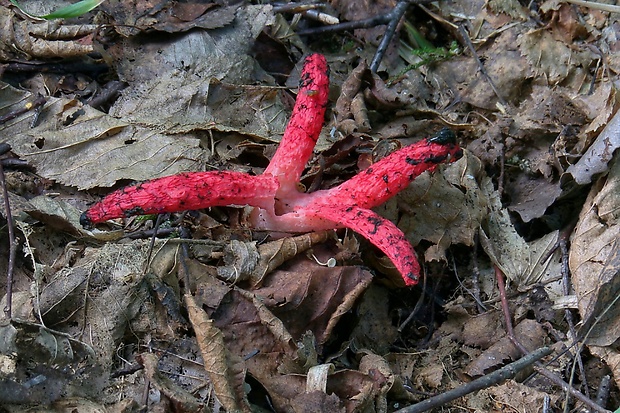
(278,205)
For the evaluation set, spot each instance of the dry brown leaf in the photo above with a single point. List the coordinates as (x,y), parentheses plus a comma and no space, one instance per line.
(56,213)
(219,363)
(191,83)
(402,366)
(510,7)
(28,39)
(431,375)
(349,89)
(528,399)
(116,151)
(375,330)
(19,206)
(529,333)
(553,60)
(547,111)
(246,260)
(595,260)
(268,319)
(444,208)
(596,159)
(275,253)
(611,356)
(311,297)
(127,16)
(531,197)
(356,389)
(523,263)
(111,279)
(483,330)
(600,106)
(459,78)
(82,405)
(180,397)
(424,378)
(360,114)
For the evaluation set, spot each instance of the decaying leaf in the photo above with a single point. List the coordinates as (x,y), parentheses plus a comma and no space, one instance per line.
(314,297)
(174,17)
(596,159)
(29,39)
(246,260)
(529,333)
(444,208)
(192,83)
(523,263)
(512,393)
(116,150)
(595,260)
(375,331)
(180,397)
(223,368)
(349,89)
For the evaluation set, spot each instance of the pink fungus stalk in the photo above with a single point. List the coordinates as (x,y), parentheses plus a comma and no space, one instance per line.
(278,205)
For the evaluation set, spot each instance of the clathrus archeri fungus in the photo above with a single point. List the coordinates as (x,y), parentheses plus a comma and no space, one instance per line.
(278,204)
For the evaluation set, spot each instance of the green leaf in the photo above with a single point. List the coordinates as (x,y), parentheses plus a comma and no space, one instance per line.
(73,10)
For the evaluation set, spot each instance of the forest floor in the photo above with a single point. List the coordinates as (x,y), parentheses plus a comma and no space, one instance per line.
(518,239)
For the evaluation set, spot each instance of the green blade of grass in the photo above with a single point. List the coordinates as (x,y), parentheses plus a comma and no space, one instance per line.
(72,10)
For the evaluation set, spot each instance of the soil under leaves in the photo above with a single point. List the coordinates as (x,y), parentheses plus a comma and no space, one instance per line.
(212,316)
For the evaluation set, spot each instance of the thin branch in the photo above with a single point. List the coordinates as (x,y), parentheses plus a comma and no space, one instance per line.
(395,15)
(540,369)
(483,71)
(596,5)
(483,382)
(12,246)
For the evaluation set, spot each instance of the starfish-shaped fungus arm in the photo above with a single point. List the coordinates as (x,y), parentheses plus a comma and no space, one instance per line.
(278,205)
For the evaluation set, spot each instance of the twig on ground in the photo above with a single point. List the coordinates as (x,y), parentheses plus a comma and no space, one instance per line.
(475,290)
(358,24)
(475,278)
(392,18)
(483,382)
(12,245)
(108,94)
(416,308)
(612,8)
(395,15)
(567,312)
(28,106)
(483,71)
(538,367)
(603,390)
(149,255)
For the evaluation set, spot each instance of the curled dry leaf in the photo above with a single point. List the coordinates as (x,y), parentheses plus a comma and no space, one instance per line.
(596,159)
(41,39)
(180,397)
(246,260)
(523,263)
(308,296)
(454,207)
(529,332)
(224,369)
(349,89)
(595,260)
